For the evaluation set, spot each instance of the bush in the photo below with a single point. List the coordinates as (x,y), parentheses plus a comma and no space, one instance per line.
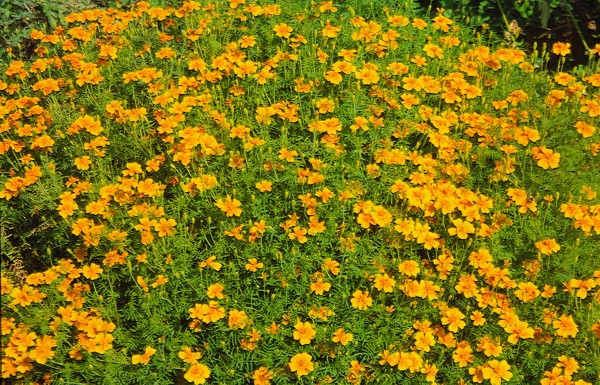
(296,193)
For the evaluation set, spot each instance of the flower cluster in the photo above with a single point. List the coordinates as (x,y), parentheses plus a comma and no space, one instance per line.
(241,191)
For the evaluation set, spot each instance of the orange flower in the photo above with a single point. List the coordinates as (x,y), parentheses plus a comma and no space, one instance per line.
(43,349)
(368,74)
(302,364)
(237,319)
(545,157)
(562,49)
(409,268)
(264,185)
(92,271)
(330,31)
(565,326)
(165,227)
(319,287)
(262,376)
(333,77)
(189,356)
(527,292)
(463,355)
(454,319)
(384,282)
(215,290)
(477,318)
(496,371)
(230,206)
(197,373)
(143,358)
(433,50)
(253,265)
(462,229)
(83,163)
(341,337)
(305,332)
(361,300)
(47,86)
(283,30)
(299,233)
(547,246)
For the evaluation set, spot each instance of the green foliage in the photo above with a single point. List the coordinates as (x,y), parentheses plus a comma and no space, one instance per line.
(174,213)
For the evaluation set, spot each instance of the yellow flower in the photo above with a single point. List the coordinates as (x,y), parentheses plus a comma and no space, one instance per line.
(230,206)
(92,271)
(302,364)
(545,157)
(262,376)
(547,246)
(189,356)
(565,326)
(341,337)
(368,75)
(562,49)
(462,229)
(237,319)
(283,30)
(264,185)
(319,287)
(143,358)
(253,265)
(83,163)
(361,300)
(454,319)
(197,373)
(215,290)
(384,282)
(496,371)
(305,332)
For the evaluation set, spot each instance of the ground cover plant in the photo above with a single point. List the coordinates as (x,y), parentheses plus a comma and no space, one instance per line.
(284,193)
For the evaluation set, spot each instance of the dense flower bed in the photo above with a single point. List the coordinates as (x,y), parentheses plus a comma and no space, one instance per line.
(238,192)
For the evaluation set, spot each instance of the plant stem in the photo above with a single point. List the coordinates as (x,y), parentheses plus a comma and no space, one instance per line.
(574,21)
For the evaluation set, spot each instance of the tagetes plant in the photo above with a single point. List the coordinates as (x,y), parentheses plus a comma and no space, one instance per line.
(236,192)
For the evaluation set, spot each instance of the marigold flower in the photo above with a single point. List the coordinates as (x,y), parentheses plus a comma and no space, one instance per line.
(384,282)
(562,49)
(545,157)
(215,290)
(454,319)
(304,333)
(264,185)
(361,300)
(496,371)
(143,358)
(262,376)
(197,373)
(92,271)
(253,265)
(302,364)
(367,75)
(462,229)
(319,287)
(189,356)
(547,246)
(237,319)
(230,206)
(565,326)
(283,30)
(341,337)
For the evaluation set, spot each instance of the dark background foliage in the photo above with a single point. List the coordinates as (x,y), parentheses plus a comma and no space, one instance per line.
(531,21)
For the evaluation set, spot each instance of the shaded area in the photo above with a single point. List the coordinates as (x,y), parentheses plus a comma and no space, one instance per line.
(531,23)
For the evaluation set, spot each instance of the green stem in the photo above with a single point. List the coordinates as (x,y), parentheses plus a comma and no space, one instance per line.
(574,21)
(505,20)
